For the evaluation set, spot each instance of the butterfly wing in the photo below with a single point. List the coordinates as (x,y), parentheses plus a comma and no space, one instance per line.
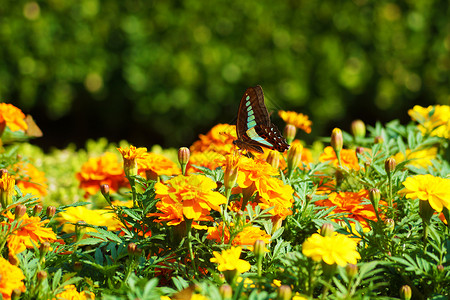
(254,128)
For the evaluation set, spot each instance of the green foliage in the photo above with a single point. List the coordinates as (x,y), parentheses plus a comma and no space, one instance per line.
(174,67)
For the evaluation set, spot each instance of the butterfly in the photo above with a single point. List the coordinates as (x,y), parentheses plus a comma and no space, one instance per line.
(254,128)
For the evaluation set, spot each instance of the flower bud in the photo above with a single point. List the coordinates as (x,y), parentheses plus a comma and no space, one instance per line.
(2,126)
(273,159)
(51,210)
(327,229)
(183,158)
(104,188)
(131,249)
(259,248)
(390,224)
(440,268)
(19,211)
(374,196)
(37,210)
(226,291)
(43,249)
(231,171)
(351,270)
(13,259)
(359,151)
(41,275)
(80,230)
(16,293)
(77,266)
(358,129)
(7,183)
(289,133)
(389,165)
(405,292)
(378,140)
(294,157)
(425,211)
(337,140)
(284,292)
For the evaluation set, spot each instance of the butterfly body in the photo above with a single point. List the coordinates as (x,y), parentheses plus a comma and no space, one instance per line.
(254,129)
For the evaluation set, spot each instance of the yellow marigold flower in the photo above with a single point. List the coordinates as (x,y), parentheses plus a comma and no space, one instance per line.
(105,169)
(130,156)
(97,217)
(348,158)
(433,120)
(208,159)
(10,279)
(299,120)
(70,293)
(30,180)
(336,249)
(229,260)
(246,237)
(219,139)
(190,197)
(13,117)
(157,163)
(7,184)
(420,158)
(351,203)
(297,296)
(30,231)
(429,188)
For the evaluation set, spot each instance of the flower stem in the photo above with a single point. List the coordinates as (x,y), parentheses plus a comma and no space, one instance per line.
(189,240)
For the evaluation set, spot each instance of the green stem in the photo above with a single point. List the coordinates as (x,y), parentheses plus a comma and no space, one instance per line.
(189,240)
(133,190)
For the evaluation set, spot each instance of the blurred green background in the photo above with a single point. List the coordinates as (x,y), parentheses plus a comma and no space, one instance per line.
(165,71)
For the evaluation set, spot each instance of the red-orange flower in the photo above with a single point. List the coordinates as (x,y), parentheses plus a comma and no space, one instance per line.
(187,197)
(13,117)
(208,159)
(348,158)
(218,139)
(29,179)
(31,230)
(246,237)
(105,169)
(157,164)
(299,120)
(11,278)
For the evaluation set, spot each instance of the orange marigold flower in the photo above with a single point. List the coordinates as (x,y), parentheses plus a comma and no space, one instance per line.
(11,278)
(29,179)
(219,139)
(433,120)
(348,158)
(208,159)
(187,197)
(97,217)
(31,230)
(130,157)
(158,164)
(70,293)
(299,120)
(105,169)
(13,117)
(246,237)
(351,204)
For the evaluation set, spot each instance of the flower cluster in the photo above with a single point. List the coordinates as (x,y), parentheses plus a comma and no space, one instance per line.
(433,120)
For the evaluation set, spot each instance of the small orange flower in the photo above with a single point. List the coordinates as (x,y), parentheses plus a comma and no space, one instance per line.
(187,197)
(348,158)
(11,278)
(130,157)
(208,159)
(219,139)
(105,169)
(31,230)
(13,117)
(158,164)
(299,120)
(70,292)
(29,179)
(246,237)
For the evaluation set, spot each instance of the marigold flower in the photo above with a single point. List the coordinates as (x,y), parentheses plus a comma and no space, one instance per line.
(208,159)
(246,237)
(97,217)
(421,158)
(351,203)
(7,183)
(189,197)
(348,158)
(70,292)
(433,120)
(29,179)
(156,163)
(231,170)
(219,139)
(105,169)
(11,278)
(130,156)
(229,260)
(299,120)
(13,117)
(337,249)
(30,231)
(429,188)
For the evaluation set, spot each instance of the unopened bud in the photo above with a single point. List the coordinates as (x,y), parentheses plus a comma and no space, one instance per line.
(294,157)
(51,210)
(231,171)
(440,268)
(259,248)
(19,211)
(43,248)
(131,249)
(374,196)
(104,188)
(289,133)
(378,140)
(359,151)
(351,270)
(13,259)
(405,292)
(425,211)
(284,292)
(327,229)
(41,275)
(16,293)
(226,291)
(337,140)
(77,266)
(358,129)
(37,209)
(390,224)
(389,165)
(183,158)
(273,159)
